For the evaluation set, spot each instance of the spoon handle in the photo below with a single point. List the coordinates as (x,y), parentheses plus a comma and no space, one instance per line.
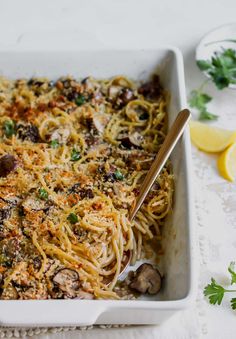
(169,143)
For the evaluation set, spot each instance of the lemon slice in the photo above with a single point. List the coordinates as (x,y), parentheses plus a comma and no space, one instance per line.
(211,139)
(227,163)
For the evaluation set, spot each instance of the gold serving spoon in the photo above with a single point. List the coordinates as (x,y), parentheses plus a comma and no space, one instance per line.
(167,147)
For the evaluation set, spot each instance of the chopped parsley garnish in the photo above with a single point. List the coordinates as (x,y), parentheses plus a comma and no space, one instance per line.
(118,175)
(80,100)
(216,292)
(9,128)
(72,218)
(54,143)
(75,155)
(43,194)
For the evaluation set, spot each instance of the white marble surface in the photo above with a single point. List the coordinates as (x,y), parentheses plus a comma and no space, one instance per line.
(126,23)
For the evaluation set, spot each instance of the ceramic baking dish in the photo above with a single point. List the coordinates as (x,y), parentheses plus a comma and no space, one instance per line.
(177,263)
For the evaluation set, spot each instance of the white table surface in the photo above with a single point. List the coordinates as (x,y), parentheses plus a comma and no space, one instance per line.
(126,23)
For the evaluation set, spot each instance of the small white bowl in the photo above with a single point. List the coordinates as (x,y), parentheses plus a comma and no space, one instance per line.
(214,41)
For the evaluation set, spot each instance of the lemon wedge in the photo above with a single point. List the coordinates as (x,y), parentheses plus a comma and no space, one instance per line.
(211,139)
(227,163)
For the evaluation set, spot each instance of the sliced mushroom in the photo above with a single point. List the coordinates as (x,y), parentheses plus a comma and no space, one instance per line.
(133,140)
(7,164)
(61,135)
(28,132)
(113,92)
(124,97)
(146,279)
(84,295)
(151,89)
(99,125)
(83,192)
(67,280)
(32,203)
(120,96)
(100,121)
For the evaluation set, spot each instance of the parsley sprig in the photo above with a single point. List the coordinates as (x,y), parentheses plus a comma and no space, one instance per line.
(221,69)
(216,292)
(199,100)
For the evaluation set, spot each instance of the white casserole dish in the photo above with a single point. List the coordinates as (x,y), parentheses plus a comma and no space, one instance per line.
(178,261)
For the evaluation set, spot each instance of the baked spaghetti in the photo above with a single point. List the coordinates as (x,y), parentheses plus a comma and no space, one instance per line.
(72,157)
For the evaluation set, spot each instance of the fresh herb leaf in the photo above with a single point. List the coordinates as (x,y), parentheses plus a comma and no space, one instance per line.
(221,67)
(80,100)
(199,100)
(219,79)
(214,292)
(9,128)
(72,218)
(43,194)
(231,270)
(205,115)
(119,175)
(203,64)
(75,155)
(233,303)
(54,143)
